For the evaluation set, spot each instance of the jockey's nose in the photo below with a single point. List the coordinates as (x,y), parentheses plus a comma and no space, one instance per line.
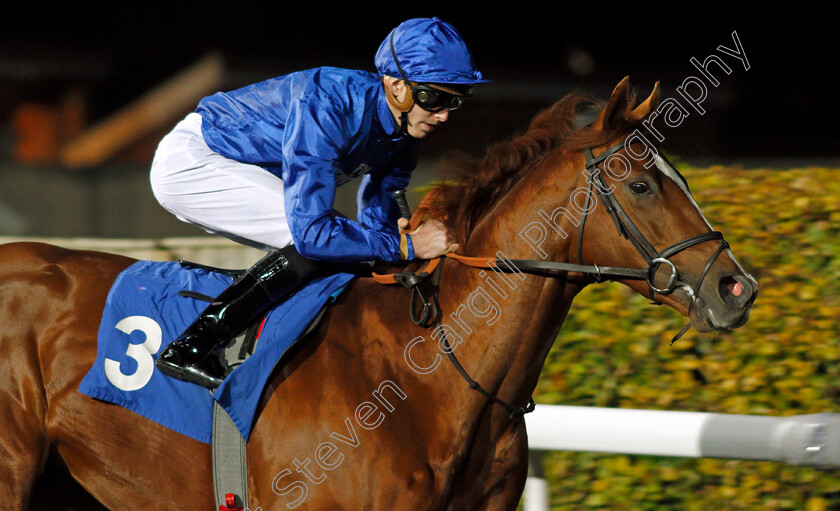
(443,115)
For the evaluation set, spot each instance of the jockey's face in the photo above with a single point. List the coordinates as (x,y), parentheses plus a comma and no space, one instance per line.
(420,122)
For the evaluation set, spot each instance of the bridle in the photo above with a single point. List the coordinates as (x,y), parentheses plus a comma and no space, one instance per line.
(431,313)
(628,230)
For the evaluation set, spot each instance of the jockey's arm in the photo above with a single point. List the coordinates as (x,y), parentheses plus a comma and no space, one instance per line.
(377,209)
(320,232)
(309,167)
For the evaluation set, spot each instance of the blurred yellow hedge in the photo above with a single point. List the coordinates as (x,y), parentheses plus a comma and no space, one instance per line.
(613,351)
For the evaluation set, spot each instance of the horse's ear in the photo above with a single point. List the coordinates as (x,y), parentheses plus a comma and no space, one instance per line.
(641,112)
(616,108)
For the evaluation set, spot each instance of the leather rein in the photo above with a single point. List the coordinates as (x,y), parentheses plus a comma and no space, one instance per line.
(429,314)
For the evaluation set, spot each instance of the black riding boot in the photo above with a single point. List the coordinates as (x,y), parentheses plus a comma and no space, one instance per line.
(194,355)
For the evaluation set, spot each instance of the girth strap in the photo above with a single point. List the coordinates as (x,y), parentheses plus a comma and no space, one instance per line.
(229,462)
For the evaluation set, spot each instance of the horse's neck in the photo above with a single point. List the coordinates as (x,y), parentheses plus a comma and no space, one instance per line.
(504,325)
(511,319)
(534,203)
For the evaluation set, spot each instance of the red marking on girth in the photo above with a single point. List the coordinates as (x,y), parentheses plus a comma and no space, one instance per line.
(230,503)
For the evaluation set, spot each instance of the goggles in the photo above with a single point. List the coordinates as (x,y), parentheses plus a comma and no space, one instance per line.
(435,98)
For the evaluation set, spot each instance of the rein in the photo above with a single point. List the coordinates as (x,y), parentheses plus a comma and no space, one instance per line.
(431,312)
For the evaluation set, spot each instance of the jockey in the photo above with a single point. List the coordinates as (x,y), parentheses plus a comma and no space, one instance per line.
(260,165)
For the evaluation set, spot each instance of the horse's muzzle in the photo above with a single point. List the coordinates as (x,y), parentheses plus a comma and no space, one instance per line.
(728,307)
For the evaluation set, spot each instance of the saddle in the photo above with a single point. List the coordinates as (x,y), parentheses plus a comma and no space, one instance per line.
(148,305)
(229,452)
(242,346)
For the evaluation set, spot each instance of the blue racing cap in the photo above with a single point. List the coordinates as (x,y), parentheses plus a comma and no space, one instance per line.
(427,50)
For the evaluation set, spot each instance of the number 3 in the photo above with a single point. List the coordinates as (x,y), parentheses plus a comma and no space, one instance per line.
(142,353)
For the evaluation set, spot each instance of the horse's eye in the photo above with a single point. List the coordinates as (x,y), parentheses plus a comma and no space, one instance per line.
(639,188)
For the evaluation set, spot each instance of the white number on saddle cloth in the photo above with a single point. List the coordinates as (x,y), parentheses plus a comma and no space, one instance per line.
(141,353)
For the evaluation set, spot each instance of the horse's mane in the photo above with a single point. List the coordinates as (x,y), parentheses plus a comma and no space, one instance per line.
(471,185)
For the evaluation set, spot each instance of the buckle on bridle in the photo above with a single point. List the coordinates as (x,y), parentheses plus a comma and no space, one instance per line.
(410,280)
(672,280)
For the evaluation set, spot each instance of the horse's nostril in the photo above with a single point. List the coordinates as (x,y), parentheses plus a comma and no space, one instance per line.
(734,291)
(734,287)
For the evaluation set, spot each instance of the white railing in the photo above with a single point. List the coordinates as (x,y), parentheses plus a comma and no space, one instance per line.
(807,440)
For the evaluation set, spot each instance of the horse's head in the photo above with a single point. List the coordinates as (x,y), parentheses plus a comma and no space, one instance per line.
(634,192)
(621,211)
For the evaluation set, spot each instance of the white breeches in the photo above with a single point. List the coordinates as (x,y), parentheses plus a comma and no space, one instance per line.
(237,200)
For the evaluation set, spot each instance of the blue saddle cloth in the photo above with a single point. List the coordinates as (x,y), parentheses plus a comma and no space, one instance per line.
(144,313)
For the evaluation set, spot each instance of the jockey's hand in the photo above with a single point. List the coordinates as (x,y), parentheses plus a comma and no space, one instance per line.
(431,239)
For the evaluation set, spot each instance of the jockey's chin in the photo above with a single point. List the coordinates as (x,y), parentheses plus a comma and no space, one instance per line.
(422,122)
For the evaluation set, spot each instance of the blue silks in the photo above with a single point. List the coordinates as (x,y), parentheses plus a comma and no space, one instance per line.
(144,313)
(319,128)
(429,51)
(316,130)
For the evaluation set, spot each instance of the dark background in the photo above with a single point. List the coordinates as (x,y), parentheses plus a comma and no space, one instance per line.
(784,106)
(781,113)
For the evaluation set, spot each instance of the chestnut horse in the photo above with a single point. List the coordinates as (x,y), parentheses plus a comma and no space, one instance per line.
(367,413)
